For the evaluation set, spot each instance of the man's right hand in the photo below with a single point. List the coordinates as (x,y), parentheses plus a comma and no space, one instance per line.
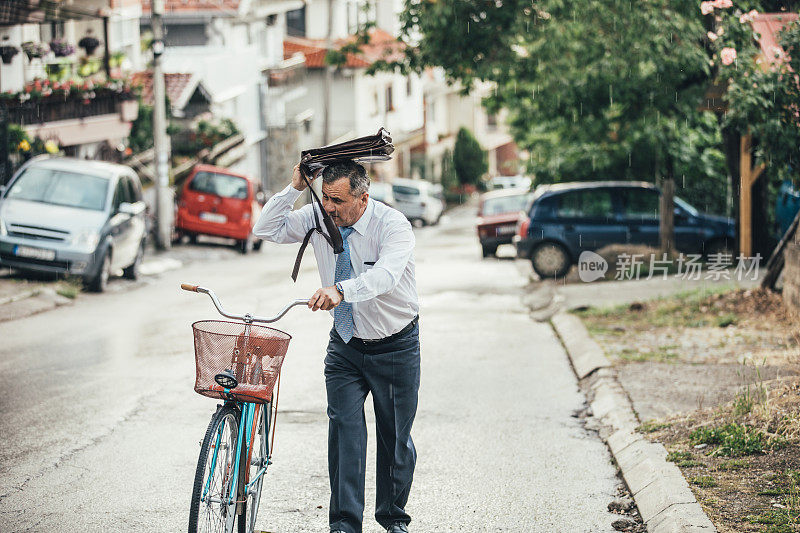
(297,178)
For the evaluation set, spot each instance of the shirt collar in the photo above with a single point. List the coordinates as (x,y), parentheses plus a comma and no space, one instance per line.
(361,224)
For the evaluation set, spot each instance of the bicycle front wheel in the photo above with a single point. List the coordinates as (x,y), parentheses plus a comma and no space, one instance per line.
(259,461)
(214,481)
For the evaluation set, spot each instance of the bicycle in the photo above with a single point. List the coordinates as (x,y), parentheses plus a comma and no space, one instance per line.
(239,362)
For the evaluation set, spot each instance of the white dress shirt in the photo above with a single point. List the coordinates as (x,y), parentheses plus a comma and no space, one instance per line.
(383,290)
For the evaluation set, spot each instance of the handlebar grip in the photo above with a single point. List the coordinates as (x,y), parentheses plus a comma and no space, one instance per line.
(187,287)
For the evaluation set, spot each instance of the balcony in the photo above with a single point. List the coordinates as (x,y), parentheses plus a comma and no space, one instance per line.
(57,109)
(73,120)
(288,74)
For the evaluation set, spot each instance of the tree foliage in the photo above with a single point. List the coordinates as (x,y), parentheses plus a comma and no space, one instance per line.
(600,89)
(763,93)
(469,159)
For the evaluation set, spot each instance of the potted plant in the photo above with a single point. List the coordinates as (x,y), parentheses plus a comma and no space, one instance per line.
(89,43)
(8,51)
(61,48)
(35,50)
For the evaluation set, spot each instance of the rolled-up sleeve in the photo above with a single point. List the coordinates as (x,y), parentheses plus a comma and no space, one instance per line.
(278,223)
(395,250)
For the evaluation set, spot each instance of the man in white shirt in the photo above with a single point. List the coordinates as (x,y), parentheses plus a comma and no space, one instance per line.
(371,292)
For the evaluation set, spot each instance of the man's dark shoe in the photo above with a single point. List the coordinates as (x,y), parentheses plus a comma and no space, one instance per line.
(397,528)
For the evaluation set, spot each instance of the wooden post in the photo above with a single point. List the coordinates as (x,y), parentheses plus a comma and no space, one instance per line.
(747,177)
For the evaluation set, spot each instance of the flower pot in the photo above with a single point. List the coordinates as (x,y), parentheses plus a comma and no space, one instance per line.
(7,53)
(128,110)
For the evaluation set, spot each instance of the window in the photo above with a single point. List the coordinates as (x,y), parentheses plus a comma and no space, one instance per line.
(405,191)
(505,204)
(220,185)
(389,103)
(296,22)
(134,194)
(589,203)
(57,187)
(123,192)
(640,204)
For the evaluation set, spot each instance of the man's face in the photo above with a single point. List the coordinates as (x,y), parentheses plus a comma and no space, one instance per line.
(344,208)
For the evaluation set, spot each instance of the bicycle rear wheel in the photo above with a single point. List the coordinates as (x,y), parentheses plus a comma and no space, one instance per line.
(214,477)
(259,461)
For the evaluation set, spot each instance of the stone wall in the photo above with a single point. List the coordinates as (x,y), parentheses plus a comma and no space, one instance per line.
(791,276)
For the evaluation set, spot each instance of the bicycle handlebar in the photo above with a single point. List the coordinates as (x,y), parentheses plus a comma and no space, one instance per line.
(246,317)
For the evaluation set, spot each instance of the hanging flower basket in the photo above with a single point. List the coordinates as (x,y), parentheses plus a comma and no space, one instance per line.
(89,44)
(7,53)
(35,50)
(61,48)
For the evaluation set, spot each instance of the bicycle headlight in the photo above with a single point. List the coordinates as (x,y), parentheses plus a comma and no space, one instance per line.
(226,379)
(86,239)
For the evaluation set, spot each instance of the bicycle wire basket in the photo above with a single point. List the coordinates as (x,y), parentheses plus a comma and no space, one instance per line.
(254,353)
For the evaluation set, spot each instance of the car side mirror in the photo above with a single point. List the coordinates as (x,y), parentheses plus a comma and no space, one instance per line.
(131,209)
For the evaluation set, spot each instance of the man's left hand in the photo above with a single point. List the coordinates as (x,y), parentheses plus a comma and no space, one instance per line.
(325,299)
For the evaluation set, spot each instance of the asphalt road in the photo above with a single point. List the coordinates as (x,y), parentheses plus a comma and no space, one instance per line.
(100,426)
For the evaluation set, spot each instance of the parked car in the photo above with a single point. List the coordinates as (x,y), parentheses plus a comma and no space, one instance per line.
(510,182)
(498,213)
(71,216)
(420,201)
(219,202)
(382,192)
(565,219)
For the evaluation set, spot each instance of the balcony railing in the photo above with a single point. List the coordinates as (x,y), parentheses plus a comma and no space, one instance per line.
(288,73)
(55,109)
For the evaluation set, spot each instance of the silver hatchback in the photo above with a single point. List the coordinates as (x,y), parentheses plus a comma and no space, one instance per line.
(71,216)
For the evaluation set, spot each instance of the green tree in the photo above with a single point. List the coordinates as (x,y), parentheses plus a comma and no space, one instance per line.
(469,159)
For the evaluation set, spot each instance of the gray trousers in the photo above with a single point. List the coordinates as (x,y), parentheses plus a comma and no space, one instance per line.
(391,372)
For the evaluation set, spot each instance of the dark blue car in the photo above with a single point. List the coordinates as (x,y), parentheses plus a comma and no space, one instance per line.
(566,219)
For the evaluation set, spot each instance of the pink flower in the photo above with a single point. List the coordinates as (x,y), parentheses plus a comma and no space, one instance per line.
(712,36)
(722,4)
(727,55)
(706,7)
(748,17)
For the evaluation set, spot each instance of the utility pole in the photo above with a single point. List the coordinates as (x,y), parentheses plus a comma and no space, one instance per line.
(161,145)
(326,104)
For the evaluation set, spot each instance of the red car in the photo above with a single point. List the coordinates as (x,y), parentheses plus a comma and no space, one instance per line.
(498,213)
(217,201)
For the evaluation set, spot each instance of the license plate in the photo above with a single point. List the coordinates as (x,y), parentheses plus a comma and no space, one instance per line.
(35,253)
(505,230)
(213,217)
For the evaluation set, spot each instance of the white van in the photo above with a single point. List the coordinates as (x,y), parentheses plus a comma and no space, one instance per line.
(420,201)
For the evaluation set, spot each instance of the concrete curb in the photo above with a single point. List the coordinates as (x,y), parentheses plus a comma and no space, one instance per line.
(662,495)
(39,301)
(158,266)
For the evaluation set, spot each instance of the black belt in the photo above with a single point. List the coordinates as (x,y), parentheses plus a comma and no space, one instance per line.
(392,337)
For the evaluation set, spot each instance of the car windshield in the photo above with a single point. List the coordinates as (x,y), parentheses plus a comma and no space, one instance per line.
(403,190)
(59,187)
(692,211)
(223,185)
(505,204)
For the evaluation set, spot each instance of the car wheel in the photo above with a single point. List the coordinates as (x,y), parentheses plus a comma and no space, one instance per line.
(257,245)
(245,245)
(550,260)
(132,270)
(192,238)
(99,282)
(488,250)
(719,246)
